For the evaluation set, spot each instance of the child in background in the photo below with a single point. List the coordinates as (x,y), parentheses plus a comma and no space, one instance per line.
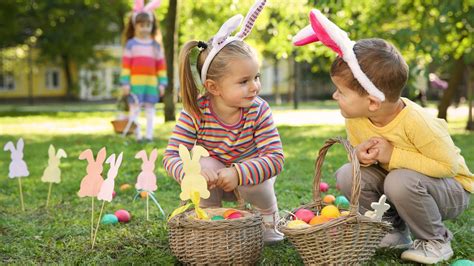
(143,75)
(406,154)
(231,122)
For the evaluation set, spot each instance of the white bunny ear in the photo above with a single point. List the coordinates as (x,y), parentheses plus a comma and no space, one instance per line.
(19,145)
(138,6)
(119,160)
(111,160)
(51,151)
(152,5)
(61,154)
(226,29)
(9,146)
(249,20)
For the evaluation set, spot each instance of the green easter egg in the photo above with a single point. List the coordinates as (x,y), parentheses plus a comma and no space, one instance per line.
(463,263)
(342,202)
(109,219)
(217,217)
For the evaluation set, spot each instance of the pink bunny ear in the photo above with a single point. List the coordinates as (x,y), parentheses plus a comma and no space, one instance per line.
(87,154)
(101,156)
(249,20)
(150,7)
(19,145)
(138,6)
(153,155)
(141,154)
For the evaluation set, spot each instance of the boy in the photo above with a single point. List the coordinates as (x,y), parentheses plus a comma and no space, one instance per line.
(406,154)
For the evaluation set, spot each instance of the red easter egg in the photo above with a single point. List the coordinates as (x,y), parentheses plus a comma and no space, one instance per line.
(123,216)
(235,215)
(323,187)
(304,215)
(113,194)
(228,212)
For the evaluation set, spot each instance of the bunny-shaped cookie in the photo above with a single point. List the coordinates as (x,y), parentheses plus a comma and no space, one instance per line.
(147,179)
(107,188)
(52,173)
(18,167)
(193,181)
(91,183)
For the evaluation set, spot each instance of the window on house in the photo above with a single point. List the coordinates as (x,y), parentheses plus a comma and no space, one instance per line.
(7,81)
(52,79)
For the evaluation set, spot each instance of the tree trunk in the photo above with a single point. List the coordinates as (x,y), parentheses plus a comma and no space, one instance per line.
(276,83)
(170,42)
(67,71)
(470,98)
(455,79)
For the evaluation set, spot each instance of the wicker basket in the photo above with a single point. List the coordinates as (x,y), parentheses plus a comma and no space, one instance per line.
(237,241)
(350,239)
(120,124)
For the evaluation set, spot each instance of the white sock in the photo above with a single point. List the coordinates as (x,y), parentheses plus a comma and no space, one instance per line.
(134,114)
(150,115)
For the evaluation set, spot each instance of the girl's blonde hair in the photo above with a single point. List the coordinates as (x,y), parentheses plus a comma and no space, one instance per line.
(129,31)
(217,69)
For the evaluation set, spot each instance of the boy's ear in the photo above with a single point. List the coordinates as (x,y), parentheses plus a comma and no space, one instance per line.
(211,87)
(374,103)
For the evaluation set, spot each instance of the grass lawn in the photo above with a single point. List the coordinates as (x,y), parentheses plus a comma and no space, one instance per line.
(61,233)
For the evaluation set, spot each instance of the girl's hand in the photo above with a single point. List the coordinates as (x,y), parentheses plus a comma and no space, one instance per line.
(210,176)
(228,179)
(385,150)
(367,152)
(162,90)
(125,89)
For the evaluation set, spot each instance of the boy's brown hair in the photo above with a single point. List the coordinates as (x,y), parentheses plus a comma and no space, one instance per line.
(381,62)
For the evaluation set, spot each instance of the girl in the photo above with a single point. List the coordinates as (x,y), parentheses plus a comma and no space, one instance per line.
(231,122)
(143,65)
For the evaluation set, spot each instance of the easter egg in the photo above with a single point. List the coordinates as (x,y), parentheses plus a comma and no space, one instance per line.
(342,202)
(109,219)
(123,216)
(113,194)
(463,263)
(318,220)
(228,212)
(330,211)
(304,215)
(217,217)
(125,187)
(234,215)
(329,199)
(323,187)
(297,224)
(345,213)
(143,194)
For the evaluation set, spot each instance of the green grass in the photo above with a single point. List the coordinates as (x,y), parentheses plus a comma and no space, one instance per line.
(61,233)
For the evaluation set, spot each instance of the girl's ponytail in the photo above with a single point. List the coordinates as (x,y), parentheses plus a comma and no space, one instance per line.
(189,89)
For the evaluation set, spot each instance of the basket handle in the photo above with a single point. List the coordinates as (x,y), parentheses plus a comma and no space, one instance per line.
(355,192)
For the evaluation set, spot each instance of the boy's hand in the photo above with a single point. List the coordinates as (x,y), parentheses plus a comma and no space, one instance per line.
(385,149)
(367,152)
(210,176)
(228,179)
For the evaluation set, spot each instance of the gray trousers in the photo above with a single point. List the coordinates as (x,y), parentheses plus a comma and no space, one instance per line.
(417,201)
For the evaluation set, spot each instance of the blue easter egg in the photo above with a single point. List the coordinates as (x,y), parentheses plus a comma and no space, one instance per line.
(342,202)
(109,219)
(463,263)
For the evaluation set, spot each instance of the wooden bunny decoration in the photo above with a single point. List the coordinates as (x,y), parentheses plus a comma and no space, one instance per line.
(52,173)
(107,188)
(147,179)
(91,183)
(18,167)
(193,181)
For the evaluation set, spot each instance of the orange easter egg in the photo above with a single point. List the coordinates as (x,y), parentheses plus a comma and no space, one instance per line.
(125,187)
(143,194)
(229,212)
(329,199)
(318,220)
(330,211)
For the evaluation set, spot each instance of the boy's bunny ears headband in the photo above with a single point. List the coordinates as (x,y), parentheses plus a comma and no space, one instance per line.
(221,39)
(323,30)
(140,7)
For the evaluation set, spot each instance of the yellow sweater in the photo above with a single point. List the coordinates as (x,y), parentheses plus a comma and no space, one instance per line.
(421,143)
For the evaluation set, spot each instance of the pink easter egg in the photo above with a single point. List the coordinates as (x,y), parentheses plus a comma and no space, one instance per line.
(123,216)
(323,187)
(113,194)
(304,215)
(235,215)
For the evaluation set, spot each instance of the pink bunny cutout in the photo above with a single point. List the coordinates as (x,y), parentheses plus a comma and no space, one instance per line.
(147,179)
(107,188)
(18,167)
(91,183)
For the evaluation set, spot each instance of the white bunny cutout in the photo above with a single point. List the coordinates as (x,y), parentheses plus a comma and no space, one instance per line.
(18,167)
(107,188)
(147,179)
(52,173)
(193,181)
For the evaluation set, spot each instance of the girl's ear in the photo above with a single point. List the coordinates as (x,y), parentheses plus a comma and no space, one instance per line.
(374,103)
(212,87)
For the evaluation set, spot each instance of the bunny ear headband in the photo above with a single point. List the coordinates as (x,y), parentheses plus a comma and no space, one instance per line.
(221,39)
(139,7)
(323,30)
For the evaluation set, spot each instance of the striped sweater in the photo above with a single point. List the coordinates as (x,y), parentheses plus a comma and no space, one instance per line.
(252,145)
(143,64)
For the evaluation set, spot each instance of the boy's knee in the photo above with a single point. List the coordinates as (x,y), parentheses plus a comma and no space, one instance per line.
(211,163)
(400,184)
(344,178)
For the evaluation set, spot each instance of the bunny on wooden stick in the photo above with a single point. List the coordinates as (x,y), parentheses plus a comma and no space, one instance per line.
(91,183)
(107,188)
(18,167)
(52,173)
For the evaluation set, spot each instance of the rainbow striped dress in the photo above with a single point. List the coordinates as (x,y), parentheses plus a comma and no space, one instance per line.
(143,69)
(252,145)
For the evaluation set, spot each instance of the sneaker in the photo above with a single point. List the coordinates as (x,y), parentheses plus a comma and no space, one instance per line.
(148,140)
(271,235)
(428,251)
(397,239)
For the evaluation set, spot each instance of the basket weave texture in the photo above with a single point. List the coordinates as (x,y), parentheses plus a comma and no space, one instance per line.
(236,241)
(350,239)
(120,124)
